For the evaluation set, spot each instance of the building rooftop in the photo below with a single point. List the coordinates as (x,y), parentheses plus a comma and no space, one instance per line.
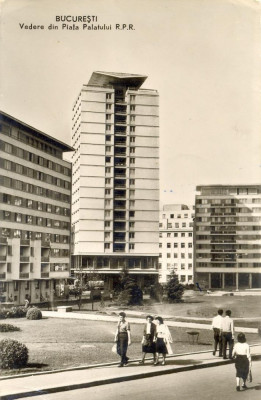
(41,135)
(101,78)
(250,185)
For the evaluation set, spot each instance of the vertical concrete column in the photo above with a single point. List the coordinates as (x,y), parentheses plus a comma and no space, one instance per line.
(250,281)
(236,280)
(223,280)
(209,280)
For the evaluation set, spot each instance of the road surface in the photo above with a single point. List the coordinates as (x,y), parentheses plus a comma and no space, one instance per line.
(204,384)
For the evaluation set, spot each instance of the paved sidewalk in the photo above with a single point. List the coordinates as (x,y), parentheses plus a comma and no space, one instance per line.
(114,318)
(84,377)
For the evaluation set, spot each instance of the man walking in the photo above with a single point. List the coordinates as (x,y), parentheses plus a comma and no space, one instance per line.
(216,326)
(227,328)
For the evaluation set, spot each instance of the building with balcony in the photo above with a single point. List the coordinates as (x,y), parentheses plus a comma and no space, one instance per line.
(227,237)
(35,212)
(115,178)
(176,243)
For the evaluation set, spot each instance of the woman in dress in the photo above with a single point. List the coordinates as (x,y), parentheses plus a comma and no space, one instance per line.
(241,353)
(148,344)
(123,338)
(163,339)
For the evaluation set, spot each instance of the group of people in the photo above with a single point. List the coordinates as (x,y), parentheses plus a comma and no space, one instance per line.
(156,339)
(223,328)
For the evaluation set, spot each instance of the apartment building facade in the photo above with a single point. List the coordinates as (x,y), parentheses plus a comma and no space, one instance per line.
(227,239)
(115,177)
(35,212)
(176,243)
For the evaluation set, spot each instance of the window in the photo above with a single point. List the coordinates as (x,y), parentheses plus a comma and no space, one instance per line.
(107,191)
(107,235)
(108,106)
(132,149)
(168,234)
(131,246)
(132,171)
(168,245)
(132,213)
(182,255)
(132,203)
(182,245)
(168,255)
(175,245)
(190,234)
(18,217)
(132,224)
(132,129)
(182,266)
(39,206)
(190,245)
(108,117)
(108,138)
(132,181)
(132,118)
(108,96)
(107,202)
(107,180)
(190,255)
(175,234)
(171,215)
(106,245)
(48,208)
(131,235)
(107,159)
(29,219)
(160,245)
(189,266)
(108,148)
(18,201)
(107,224)
(183,224)
(132,193)
(108,128)
(107,170)
(132,98)
(132,160)
(107,213)
(132,108)
(7,215)
(132,139)
(169,225)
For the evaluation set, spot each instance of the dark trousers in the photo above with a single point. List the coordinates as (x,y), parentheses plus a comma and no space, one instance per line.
(227,339)
(217,341)
(123,346)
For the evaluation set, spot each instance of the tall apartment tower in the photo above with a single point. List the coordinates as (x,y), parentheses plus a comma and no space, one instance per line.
(115,195)
(228,236)
(176,243)
(35,212)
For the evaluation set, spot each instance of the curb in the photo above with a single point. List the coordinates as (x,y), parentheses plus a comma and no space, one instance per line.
(107,381)
(82,367)
(125,378)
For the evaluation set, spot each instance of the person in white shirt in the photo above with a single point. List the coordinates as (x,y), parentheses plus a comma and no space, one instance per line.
(163,339)
(242,355)
(227,328)
(216,326)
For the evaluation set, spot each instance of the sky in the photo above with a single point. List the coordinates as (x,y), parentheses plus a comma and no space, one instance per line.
(203,56)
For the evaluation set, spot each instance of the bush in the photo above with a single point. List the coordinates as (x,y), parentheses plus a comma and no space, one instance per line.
(34,313)
(8,328)
(174,289)
(129,292)
(16,312)
(13,354)
(3,314)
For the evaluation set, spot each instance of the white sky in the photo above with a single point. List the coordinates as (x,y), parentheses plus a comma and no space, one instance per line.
(203,56)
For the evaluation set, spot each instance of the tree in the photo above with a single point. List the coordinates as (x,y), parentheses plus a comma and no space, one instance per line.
(129,292)
(156,292)
(174,289)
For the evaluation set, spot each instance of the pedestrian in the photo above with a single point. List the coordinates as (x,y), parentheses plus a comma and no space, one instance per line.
(227,328)
(241,353)
(163,339)
(148,344)
(123,338)
(216,326)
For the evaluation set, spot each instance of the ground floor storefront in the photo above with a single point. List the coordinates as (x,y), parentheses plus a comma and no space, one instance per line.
(228,280)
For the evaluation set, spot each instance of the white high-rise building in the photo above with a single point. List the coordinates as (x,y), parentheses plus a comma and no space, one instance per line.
(176,243)
(115,193)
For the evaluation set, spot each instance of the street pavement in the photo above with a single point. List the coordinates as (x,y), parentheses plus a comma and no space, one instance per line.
(104,374)
(114,318)
(202,384)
